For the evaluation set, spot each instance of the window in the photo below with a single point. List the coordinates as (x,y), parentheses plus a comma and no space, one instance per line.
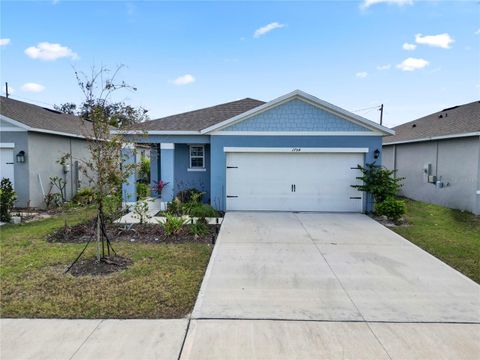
(197,156)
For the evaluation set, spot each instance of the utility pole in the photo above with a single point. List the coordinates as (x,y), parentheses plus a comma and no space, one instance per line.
(381,114)
(6,90)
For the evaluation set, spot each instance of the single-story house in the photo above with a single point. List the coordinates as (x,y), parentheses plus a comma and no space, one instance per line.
(439,156)
(32,140)
(294,153)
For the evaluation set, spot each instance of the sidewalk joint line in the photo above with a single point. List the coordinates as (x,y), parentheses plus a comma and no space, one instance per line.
(86,339)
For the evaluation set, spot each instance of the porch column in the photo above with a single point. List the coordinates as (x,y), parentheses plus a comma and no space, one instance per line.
(154,166)
(167,166)
(129,186)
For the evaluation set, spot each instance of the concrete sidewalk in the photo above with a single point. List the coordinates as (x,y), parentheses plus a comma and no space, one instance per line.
(49,339)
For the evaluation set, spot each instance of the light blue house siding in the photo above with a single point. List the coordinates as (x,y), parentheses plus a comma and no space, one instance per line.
(218,164)
(171,165)
(295,115)
(185,179)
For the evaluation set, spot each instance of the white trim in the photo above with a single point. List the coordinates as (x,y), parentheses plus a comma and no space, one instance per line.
(15,122)
(196,169)
(191,168)
(11,129)
(309,99)
(156,132)
(295,150)
(444,137)
(167,146)
(7,145)
(296,133)
(52,132)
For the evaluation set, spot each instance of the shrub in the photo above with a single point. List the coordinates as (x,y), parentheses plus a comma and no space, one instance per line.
(392,208)
(140,211)
(144,170)
(198,229)
(378,181)
(187,195)
(112,206)
(203,211)
(143,191)
(175,208)
(7,199)
(84,197)
(52,200)
(172,225)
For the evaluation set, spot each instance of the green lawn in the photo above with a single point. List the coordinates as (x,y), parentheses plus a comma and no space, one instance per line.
(453,236)
(163,282)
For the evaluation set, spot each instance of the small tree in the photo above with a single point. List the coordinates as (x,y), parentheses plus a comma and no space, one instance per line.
(7,199)
(105,170)
(378,181)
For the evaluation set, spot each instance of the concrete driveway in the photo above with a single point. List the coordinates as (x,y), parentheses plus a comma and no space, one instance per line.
(307,285)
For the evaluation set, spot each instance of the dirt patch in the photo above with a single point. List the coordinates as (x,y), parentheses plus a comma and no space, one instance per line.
(94,267)
(402,222)
(142,233)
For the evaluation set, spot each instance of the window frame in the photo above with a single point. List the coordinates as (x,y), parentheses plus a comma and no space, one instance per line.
(190,157)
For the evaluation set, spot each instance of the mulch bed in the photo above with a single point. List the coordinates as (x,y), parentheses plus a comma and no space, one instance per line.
(107,266)
(141,233)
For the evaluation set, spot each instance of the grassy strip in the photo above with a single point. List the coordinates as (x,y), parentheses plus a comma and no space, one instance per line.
(451,235)
(163,282)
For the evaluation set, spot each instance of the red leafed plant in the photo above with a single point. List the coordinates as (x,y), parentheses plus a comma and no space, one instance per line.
(158,187)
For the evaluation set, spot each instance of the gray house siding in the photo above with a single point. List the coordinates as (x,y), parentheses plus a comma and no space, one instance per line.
(20,170)
(45,150)
(455,162)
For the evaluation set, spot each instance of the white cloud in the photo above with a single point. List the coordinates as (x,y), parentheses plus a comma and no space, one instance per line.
(267,28)
(361,74)
(440,40)
(477,32)
(384,67)
(368,3)
(412,64)
(184,80)
(48,51)
(4,42)
(32,87)
(407,46)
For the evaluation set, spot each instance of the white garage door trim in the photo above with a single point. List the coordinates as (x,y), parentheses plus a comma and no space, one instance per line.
(7,161)
(287,185)
(295,149)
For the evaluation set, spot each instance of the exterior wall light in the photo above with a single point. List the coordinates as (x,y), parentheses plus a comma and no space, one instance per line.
(376,154)
(21,157)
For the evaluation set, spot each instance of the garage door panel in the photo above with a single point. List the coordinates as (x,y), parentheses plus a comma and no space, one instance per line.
(322,182)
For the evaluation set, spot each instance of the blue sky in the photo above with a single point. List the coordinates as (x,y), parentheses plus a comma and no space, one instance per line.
(415,57)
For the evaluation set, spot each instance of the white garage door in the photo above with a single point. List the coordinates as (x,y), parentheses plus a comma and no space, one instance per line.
(6,164)
(286,181)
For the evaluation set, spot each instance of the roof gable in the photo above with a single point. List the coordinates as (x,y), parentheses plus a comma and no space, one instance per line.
(36,118)
(296,115)
(334,112)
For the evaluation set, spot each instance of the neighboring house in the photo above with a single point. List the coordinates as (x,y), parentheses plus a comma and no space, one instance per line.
(32,140)
(294,153)
(439,156)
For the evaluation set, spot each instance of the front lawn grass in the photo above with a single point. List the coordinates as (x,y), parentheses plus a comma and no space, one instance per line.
(163,281)
(451,235)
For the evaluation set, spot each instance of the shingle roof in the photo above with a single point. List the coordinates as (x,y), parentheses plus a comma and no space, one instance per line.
(200,119)
(461,119)
(40,118)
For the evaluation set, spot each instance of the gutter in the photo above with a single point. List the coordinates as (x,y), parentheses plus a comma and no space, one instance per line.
(433,138)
